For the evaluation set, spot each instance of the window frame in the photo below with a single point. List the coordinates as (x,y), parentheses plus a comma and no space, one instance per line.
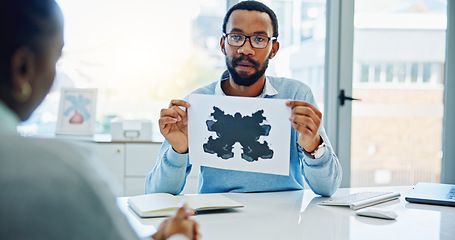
(339,75)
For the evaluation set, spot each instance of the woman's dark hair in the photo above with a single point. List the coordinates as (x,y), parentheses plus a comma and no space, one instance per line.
(253,6)
(25,23)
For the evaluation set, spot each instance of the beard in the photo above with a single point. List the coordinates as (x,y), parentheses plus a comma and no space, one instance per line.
(243,79)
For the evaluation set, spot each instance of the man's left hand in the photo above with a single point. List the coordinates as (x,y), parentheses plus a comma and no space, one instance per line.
(306,119)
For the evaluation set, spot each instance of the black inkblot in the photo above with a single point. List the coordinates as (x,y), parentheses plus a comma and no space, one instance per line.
(245,130)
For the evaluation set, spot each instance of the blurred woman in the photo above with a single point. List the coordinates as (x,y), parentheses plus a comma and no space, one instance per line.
(49,189)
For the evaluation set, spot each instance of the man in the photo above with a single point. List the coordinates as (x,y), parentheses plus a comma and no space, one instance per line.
(250,32)
(49,189)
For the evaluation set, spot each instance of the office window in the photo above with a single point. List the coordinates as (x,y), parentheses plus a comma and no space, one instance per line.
(365,75)
(140,54)
(426,72)
(414,72)
(400,72)
(377,73)
(396,136)
(389,73)
(400,75)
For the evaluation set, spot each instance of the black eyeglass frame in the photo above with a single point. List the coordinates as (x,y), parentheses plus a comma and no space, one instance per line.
(225,35)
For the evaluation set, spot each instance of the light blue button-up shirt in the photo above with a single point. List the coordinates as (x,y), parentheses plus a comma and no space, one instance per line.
(323,175)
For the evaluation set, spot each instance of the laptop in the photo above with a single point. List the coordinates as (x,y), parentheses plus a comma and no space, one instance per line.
(432,193)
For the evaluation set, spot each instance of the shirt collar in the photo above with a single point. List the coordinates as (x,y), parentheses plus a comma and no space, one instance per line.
(268,90)
(8,119)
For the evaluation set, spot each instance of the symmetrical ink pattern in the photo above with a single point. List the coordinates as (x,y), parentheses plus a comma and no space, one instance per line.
(245,130)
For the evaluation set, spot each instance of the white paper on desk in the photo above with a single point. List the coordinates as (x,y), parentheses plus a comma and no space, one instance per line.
(241,139)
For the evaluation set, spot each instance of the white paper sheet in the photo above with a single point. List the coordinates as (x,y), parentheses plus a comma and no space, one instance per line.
(258,144)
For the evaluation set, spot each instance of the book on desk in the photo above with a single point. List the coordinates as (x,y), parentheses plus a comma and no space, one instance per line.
(165,204)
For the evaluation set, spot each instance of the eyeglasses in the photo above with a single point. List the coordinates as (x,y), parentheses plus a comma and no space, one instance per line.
(256,41)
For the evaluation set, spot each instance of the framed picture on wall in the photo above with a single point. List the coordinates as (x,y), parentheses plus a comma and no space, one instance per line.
(77,111)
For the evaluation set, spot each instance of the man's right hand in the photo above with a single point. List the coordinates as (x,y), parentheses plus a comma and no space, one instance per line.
(174,125)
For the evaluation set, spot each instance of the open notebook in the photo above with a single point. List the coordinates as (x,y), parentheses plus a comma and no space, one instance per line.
(165,204)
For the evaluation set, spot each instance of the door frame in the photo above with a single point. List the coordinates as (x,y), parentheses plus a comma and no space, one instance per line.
(338,68)
(448,139)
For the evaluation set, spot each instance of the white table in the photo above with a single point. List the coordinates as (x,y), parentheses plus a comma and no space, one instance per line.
(296,215)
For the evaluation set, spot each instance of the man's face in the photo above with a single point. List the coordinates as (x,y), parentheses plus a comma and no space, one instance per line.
(246,64)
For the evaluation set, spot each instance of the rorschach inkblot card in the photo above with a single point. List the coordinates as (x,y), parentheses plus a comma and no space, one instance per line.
(239,133)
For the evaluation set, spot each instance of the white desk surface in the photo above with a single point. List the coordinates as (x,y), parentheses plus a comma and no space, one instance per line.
(296,215)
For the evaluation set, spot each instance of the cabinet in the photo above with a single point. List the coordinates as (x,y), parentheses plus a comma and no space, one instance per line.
(112,157)
(140,158)
(129,163)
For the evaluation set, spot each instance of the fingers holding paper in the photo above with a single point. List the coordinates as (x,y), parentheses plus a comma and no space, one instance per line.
(306,119)
(173,124)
